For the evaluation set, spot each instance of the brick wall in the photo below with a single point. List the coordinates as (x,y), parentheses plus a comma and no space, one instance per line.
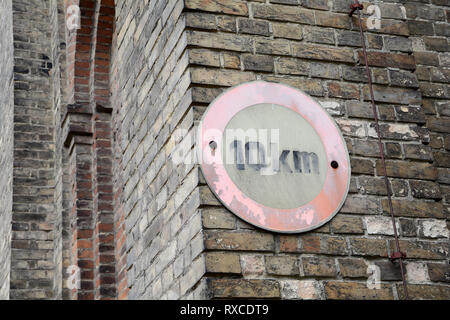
(315,46)
(181,243)
(119,217)
(36,262)
(97,123)
(87,134)
(159,197)
(6,143)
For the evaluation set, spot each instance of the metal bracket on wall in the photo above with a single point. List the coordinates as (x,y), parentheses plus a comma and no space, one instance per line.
(354,7)
(397,255)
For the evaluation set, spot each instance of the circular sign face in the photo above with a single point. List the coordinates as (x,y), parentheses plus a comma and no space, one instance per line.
(274,157)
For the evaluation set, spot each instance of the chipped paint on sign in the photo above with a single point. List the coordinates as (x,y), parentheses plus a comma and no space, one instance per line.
(311,214)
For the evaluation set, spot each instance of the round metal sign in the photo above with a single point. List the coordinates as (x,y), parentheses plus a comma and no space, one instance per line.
(274,157)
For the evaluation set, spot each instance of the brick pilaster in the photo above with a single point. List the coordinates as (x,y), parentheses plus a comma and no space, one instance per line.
(105,271)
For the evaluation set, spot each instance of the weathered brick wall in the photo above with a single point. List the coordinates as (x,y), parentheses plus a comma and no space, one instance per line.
(159,199)
(315,46)
(57,22)
(36,263)
(116,187)
(89,235)
(6,143)
(119,217)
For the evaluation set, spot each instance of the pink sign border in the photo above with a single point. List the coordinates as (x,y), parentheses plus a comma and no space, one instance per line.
(302,219)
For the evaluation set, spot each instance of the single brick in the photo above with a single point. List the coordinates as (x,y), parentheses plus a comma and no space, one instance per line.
(319,266)
(353,268)
(289,243)
(368,247)
(409,170)
(347,224)
(436,44)
(352,73)
(417,272)
(424,291)
(282,265)
(425,189)
(393,95)
(415,208)
(318,35)
(416,249)
(315,4)
(388,270)
(323,244)
(226,23)
(427,58)
(341,290)
(300,289)
(220,77)
(352,128)
(204,57)
(251,26)
(310,86)
(393,60)
(377,186)
(439,272)
(200,20)
(442,159)
(421,28)
(403,79)
(310,51)
(239,240)
(398,44)
(408,227)
(361,205)
(393,150)
(410,114)
(218,218)
(343,90)
(434,90)
(220,6)
(334,20)
(231,60)
(258,63)
(362,166)
(269,46)
(233,42)
(439,125)
(287,30)
(380,225)
(292,66)
(433,229)
(283,13)
(222,262)
(252,265)
(240,288)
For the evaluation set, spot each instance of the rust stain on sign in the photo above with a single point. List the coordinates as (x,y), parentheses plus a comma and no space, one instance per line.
(310,174)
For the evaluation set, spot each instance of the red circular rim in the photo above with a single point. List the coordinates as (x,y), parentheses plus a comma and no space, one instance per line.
(305,218)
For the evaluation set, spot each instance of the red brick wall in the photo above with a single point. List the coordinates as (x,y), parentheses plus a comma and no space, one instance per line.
(87,127)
